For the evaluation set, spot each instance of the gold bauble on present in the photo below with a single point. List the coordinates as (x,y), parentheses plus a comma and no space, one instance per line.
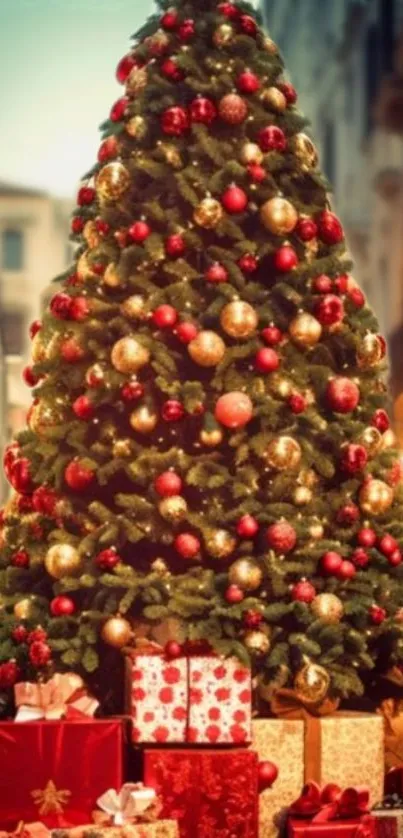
(239,319)
(371,439)
(144,419)
(251,153)
(91,234)
(208,214)
(160,566)
(117,632)
(211,438)
(207,349)
(274,99)
(111,277)
(375,497)
(44,417)
(316,530)
(246,574)
(302,496)
(123,448)
(257,642)
(136,127)
(62,560)
(23,608)
(112,181)
(305,150)
(279,216)
(280,386)
(173,509)
(283,452)
(134,307)
(137,80)
(220,544)
(223,35)
(129,356)
(370,352)
(38,350)
(328,608)
(312,683)
(305,330)
(269,45)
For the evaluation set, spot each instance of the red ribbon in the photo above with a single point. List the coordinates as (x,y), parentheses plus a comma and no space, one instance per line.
(330,802)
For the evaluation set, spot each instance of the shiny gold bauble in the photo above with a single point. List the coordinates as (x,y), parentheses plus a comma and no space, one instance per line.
(137,80)
(134,307)
(274,99)
(23,608)
(251,153)
(136,127)
(389,440)
(38,350)
(375,497)
(62,560)
(305,330)
(173,509)
(328,608)
(123,448)
(129,356)
(223,35)
(370,352)
(112,181)
(220,544)
(160,566)
(302,496)
(280,386)
(53,347)
(246,574)
(143,420)
(116,632)
(308,477)
(239,319)
(257,642)
(44,417)
(312,683)
(279,216)
(211,438)
(372,440)
(283,452)
(91,234)
(316,530)
(269,45)
(208,214)
(305,150)
(111,277)
(207,349)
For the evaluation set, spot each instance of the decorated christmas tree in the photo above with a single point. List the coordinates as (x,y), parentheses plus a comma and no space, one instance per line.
(208,447)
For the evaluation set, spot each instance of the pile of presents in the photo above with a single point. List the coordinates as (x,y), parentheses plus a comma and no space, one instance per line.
(190,760)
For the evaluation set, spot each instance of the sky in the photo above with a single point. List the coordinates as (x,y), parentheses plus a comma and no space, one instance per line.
(57,84)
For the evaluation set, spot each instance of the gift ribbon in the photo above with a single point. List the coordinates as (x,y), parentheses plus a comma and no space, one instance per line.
(63,696)
(331,802)
(134,802)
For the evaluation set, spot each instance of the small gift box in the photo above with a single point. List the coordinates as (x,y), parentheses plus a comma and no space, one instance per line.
(63,696)
(133,803)
(331,813)
(389,817)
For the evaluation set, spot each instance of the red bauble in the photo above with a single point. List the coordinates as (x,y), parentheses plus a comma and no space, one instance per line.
(342,394)
(119,109)
(354,458)
(267,360)
(108,149)
(9,674)
(272,335)
(203,110)
(85,196)
(366,537)
(165,317)
(360,557)
(272,138)
(71,351)
(170,20)
(281,537)
(83,408)
(186,30)
(39,653)
(252,619)
(303,591)
(395,558)
(107,559)
(78,477)
(44,500)
(62,606)
(257,172)
(132,391)
(173,650)
(20,476)
(37,635)
(377,614)
(60,306)
(139,231)
(170,69)
(247,527)
(186,332)
(322,284)
(357,297)
(289,91)
(34,328)
(248,263)
(168,484)
(248,82)
(329,228)
(216,273)
(267,774)
(387,545)
(381,421)
(234,595)
(79,309)
(285,259)
(229,10)
(124,68)
(234,410)
(20,559)
(98,269)
(348,514)
(29,377)
(233,109)
(175,245)
(172,411)
(234,200)
(331,562)
(77,225)
(187,545)
(19,634)
(11,453)
(329,310)
(346,570)
(297,403)
(175,121)
(248,25)
(341,284)
(306,229)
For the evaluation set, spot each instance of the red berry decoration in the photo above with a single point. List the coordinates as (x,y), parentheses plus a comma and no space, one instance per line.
(267,774)
(234,595)
(39,653)
(186,30)
(248,82)
(289,92)
(216,273)
(387,545)
(297,403)
(329,310)
(248,263)
(19,634)
(165,317)
(71,351)
(229,10)
(303,591)
(331,563)
(139,231)
(119,109)
(173,650)
(285,259)
(267,360)
(44,500)
(257,172)
(20,559)
(360,557)
(38,635)
(175,245)
(341,284)
(329,228)
(60,306)
(377,614)
(281,537)
(348,514)
(247,527)
(346,570)
(306,229)
(322,284)
(234,200)
(272,138)
(366,537)
(186,332)
(34,328)
(83,408)
(78,477)
(354,458)
(20,476)
(132,391)
(124,68)
(170,20)
(187,545)
(62,606)
(203,110)
(175,121)
(9,674)
(77,225)
(252,619)
(107,559)
(357,297)
(172,411)
(170,69)
(108,149)
(29,377)
(395,558)
(248,25)
(342,395)
(381,421)
(168,484)
(79,309)
(85,196)
(272,335)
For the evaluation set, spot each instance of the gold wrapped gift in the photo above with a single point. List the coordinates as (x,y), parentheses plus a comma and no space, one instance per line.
(282,742)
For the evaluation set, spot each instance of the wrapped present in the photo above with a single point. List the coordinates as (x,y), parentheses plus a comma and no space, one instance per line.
(54,771)
(158,698)
(331,813)
(220,701)
(159,829)
(28,830)
(391,710)
(63,696)
(134,803)
(210,793)
(389,817)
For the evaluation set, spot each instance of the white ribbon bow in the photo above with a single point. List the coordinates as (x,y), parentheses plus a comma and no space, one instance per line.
(130,802)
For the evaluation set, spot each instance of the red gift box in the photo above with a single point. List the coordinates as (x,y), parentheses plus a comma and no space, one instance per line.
(331,813)
(212,794)
(54,772)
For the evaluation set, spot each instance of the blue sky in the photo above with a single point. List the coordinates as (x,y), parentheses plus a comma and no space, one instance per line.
(57,64)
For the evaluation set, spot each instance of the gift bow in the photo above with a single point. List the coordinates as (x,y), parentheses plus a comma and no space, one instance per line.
(331,802)
(63,695)
(132,802)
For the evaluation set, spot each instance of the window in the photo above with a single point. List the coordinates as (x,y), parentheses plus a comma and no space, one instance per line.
(372,74)
(12,250)
(12,327)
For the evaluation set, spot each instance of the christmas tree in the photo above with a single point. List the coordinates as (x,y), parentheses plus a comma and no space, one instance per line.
(208,442)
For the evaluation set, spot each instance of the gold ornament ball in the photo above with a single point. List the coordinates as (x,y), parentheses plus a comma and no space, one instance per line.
(279,216)
(129,356)
(136,127)
(143,420)
(372,440)
(38,351)
(283,452)
(91,235)
(312,683)
(208,214)
(173,509)
(239,319)
(246,573)
(53,348)
(43,418)
(328,608)
(134,307)
(305,330)
(305,151)
(251,153)
(280,386)
(389,440)
(84,268)
(112,181)
(308,477)
(207,349)
(257,642)
(220,544)
(23,608)
(123,448)
(316,530)
(116,632)
(223,35)
(274,99)
(211,438)
(62,560)
(269,46)
(370,352)
(302,496)
(111,277)
(137,80)
(375,497)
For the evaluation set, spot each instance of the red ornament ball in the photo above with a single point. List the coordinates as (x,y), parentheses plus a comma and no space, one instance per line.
(281,537)
(186,30)
(132,391)
(329,310)
(40,653)
(186,332)
(119,109)
(257,172)
(187,545)
(381,421)
(19,634)
(248,25)
(342,394)
(34,328)
(139,231)
(306,229)
(267,360)
(289,92)
(170,69)
(229,10)
(85,196)
(395,558)
(216,273)
(107,559)
(165,317)
(44,500)
(77,225)
(348,514)
(247,527)
(346,570)
(172,411)
(248,263)
(331,563)
(203,110)
(79,309)
(124,68)
(267,775)
(354,458)
(20,476)
(60,306)
(78,477)
(168,484)
(108,149)
(175,245)
(248,82)
(387,545)
(170,20)
(29,377)
(175,121)
(357,297)
(272,335)
(341,283)
(234,200)
(11,453)
(233,109)
(360,557)
(329,228)
(272,138)
(303,591)
(71,351)
(173,650)
(322,284)
(20,559)
(84,408)
(37,635)
(252,619)
(9,674)
(234,595)
(366,537)
(285,259)
(377,614)
(297,403)
(234,410)
(62,606)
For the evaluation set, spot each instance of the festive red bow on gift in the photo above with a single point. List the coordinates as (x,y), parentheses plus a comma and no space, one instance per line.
(331,802)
